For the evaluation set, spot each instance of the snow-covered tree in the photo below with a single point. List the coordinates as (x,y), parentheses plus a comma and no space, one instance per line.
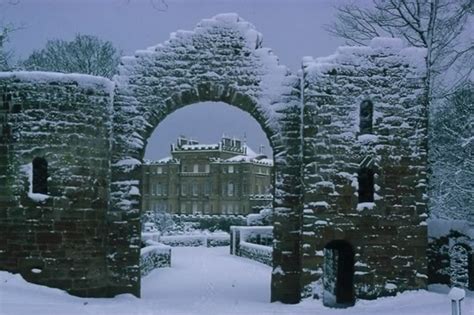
(85,54)
(452,154)
(459,266)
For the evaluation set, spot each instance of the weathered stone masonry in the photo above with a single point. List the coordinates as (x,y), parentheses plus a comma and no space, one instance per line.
(59,240)
(389,235)
(85,237)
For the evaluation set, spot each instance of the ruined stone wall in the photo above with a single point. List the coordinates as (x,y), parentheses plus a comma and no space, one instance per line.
(55,239)
(84,235)
(389,235)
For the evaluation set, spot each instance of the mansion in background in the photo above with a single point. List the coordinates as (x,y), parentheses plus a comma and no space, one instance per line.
(223,178)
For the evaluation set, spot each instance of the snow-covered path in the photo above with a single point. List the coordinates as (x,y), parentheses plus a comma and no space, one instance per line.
(207,281)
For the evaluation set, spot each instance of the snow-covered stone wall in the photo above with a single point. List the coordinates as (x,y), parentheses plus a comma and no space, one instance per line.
(221,60)
(83,234)
(56,237)
(388,233)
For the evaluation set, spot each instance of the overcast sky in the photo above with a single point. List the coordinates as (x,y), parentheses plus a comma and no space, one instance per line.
(291,28)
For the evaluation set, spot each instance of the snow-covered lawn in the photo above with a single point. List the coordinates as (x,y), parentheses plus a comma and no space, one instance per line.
(207,281)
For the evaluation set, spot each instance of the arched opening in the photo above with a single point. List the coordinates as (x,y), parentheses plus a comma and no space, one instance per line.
(338,274)
(461,266)
(207,166)
(40,176)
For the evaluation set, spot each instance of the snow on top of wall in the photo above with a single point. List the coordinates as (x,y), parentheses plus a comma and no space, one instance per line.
(275,80)
(85,81)
(414,57)
(253,38)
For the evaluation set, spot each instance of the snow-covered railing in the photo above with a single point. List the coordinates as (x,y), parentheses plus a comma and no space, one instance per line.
(207,240)
(254,242)
(154,255)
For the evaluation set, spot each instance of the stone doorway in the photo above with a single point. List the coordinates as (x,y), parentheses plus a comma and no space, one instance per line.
(338,274)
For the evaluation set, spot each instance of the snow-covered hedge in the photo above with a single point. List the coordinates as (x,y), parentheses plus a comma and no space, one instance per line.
(207,240)
(153,256)
(208,222)
(260,253)
(254,242)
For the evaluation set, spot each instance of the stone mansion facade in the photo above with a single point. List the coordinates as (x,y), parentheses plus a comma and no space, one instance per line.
(222,178)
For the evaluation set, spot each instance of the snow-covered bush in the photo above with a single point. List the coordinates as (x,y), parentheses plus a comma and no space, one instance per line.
(264,217)
(154,255)
(197,239)
(212,223)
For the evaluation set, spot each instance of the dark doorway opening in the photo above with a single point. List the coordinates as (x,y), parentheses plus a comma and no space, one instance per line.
(338,277)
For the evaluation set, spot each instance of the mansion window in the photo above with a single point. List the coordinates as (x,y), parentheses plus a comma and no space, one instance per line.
(230,189)
(195,188)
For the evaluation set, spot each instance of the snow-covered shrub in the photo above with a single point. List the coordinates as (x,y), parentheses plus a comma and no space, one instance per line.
(162,220)
(198,239)
(211,223)
(154,255)
(459,266)
(264,217)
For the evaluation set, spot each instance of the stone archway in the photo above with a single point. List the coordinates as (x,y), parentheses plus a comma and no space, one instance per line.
(221,60)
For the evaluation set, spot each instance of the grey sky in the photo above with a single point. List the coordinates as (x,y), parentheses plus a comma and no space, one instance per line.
(292,28)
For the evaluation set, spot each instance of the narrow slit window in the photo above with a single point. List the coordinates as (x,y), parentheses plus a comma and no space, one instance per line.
(40,176)
(366,185)
(366,113)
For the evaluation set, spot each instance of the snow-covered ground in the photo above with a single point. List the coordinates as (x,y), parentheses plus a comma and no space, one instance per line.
(208,281)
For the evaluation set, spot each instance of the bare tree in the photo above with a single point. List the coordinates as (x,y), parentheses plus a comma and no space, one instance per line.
(432,24)
(85,54)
